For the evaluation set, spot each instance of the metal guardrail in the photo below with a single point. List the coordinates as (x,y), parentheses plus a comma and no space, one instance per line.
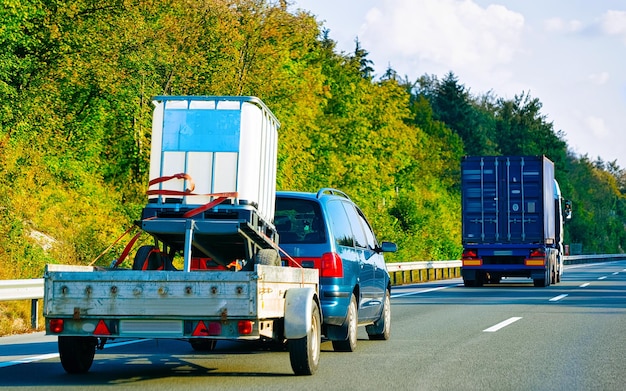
(24,290)
(401,273)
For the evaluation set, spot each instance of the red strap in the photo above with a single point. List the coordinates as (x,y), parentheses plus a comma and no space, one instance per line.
(181,175)
(127,249)
(204,207)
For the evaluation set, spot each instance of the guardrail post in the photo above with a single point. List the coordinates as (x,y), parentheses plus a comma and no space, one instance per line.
(34,314)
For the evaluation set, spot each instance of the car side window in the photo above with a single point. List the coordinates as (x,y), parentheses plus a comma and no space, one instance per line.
(359,235)
(369,234)
(340,223)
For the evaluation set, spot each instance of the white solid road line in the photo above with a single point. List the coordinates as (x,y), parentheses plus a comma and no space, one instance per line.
(42,357)
(423,291)
(500,325)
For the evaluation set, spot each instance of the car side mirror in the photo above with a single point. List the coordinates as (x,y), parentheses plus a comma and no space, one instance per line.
(388,247)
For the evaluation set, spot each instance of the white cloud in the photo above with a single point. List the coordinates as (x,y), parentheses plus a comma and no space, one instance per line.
(452,34)
(561,25)
(599,78)
(614,23)
(597,127)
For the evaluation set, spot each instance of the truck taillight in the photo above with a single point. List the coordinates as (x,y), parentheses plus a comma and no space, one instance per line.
(56,326)
(471,258)
(332,266)
(536,258)
(469,254)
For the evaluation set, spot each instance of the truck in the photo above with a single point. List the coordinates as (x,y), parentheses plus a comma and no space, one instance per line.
(512,220)
(211,269)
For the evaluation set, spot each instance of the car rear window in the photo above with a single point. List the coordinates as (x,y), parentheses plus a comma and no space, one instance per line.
(299,221)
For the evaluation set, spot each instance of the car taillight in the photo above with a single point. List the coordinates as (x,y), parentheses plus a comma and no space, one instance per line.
(331,265)
(538,253)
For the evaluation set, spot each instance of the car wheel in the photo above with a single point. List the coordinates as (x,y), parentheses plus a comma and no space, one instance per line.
(349,344)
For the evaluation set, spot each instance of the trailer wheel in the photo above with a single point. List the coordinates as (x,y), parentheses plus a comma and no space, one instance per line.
(151,258)
(304,353)
(77,353)
(268,257)
(203,344)
(349,344)
(381,329)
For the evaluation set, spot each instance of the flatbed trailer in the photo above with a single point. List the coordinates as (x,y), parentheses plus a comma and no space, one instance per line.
(211,201)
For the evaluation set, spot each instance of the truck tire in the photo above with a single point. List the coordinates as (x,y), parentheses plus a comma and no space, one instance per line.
(77,353)
(304,353)
(268,257)
(381,329)
(349,344)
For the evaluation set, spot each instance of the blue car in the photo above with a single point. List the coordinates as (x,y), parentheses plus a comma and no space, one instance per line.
(327,231)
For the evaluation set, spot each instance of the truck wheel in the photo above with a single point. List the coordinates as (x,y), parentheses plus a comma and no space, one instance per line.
(469,283)
(267,256)
(203,344)
(543,282)
(381,329)
(304,353)
(77,353)
(349,344)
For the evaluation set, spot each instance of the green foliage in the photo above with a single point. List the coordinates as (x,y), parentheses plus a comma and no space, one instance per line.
(76,83)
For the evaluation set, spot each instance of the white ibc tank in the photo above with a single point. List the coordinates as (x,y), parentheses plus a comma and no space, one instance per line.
(226,144)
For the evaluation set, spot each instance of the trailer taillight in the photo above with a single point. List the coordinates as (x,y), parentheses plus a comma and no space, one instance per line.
(244,327)
(201,329)
(102,328)
(56,326)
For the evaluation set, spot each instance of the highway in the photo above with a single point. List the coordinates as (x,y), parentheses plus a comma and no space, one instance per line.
(511,336)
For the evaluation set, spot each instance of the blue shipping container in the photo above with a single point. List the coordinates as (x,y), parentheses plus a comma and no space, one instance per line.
(507,200)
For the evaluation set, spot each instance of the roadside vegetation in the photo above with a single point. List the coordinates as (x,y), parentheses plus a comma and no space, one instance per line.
(76,82)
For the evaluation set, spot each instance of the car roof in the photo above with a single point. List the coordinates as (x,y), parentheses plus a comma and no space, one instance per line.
(322,193)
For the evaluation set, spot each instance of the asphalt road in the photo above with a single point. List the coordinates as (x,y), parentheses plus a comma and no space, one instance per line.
(511,336)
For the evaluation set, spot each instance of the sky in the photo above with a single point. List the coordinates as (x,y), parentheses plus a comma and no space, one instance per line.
(569,54)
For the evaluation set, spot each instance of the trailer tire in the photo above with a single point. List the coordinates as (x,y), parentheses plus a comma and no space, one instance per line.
(203,344)
(381,329)
(151,258)
(77,353)
(268,257)
(304,353)
(349,344)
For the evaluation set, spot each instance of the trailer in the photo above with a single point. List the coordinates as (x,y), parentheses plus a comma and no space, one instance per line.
(213,270)
(512,220)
